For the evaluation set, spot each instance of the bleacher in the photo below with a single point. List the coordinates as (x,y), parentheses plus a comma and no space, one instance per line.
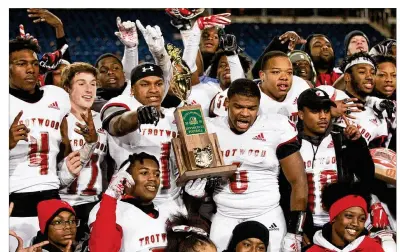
(90,32)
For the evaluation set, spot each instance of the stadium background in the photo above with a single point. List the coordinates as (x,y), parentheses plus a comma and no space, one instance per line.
(90,32)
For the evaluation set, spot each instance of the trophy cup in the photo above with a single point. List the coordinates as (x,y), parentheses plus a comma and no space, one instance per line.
(197,153)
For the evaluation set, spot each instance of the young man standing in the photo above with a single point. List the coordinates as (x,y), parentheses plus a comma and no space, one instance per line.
(260,146)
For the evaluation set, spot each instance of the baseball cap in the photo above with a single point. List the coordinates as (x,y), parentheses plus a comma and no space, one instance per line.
(145,69)
(48,209)
(314,98)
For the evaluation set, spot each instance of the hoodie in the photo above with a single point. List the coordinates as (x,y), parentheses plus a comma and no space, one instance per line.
(322,242)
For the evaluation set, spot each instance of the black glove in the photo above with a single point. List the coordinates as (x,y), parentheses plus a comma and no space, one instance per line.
(148,115)
(229,44)
(388,105)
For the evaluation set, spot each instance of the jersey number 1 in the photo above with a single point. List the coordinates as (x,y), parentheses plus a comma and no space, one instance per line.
(39,152)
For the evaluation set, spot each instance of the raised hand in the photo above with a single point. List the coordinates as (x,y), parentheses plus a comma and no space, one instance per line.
(33,248)
(196,188)
(43,15)
(118,182)
(26,36)
(229,44)
(127,33)
(345,107)
(17,132)
(88,131)
(50,61)
(153,37)
(184,13)
(73,162)
(294,39)
(219,20)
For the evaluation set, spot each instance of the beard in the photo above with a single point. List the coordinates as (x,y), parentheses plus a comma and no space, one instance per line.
(357,89)
(324,63)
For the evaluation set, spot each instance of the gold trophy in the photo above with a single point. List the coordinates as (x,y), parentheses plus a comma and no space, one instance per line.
(197,153)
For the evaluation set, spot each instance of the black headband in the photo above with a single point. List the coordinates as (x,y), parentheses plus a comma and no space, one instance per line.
(144,70)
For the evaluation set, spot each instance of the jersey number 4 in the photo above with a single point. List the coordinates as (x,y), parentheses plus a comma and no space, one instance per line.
(239,182)
(39,152)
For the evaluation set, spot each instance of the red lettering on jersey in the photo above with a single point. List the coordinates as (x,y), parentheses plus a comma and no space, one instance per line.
(146,239)
(256,152)
(164,159)
(168,133)
(57,125)
(38,154)
(161,132)
(155,132)
(250,152)
(47,123)
(263,153)
(150,131)
(81,142)
(33,121)
(239,182)
(164,237)
(158,237)
(158,250)
(227,152)
(242,151)
(152,239)
(362,131)
(294,117)
(233,152)
(40,121)
(53,123)
(141,241)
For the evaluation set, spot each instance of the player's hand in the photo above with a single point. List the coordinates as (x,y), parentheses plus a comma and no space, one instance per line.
(33,248)
(17,132)
(43,15)
(345,108)
(291,243)
(26,36)
(351,132)
(195,188)
(127,33)
(153,37)
(184,13)
(118,182)
(385,238)
(88,131)
(219,20)
(306,240)
(379,217)
(229,44)
(50,61)
(294,39)
(73,162)
(148,115)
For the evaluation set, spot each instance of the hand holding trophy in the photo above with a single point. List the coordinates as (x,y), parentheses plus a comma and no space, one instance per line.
(197,153)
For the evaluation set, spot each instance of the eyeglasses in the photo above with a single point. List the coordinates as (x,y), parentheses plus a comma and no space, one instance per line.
(62,224)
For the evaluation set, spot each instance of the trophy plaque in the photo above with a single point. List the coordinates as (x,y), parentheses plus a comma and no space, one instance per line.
(197,153)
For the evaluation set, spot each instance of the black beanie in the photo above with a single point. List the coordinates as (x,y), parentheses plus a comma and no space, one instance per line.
(144,70)
(246,230)
(350,35)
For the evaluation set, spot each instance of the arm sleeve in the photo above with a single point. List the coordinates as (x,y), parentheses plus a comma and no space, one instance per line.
(109,111)
(274,45)
(130,60)
(106,234)
(60,42)
(289,142)
(235,67)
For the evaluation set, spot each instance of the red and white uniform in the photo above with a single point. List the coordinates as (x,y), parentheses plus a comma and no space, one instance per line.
(33,164)
(155,140)
(287,107)
(369,125)
(203,94)
(254,193)
(321,169)
(88,185)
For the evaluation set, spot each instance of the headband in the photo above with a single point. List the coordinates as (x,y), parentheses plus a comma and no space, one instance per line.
(360,60)
(345,203)
(189,229)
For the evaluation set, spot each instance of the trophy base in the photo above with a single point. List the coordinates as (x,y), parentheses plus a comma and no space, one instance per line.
(219,171)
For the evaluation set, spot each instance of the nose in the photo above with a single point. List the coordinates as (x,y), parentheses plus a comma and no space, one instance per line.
(30,68)
(245,112)
(154,88)
(284,76)
(322,114)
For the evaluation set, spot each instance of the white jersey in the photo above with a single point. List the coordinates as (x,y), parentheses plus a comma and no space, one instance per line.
(367,122)
(287,107)
(320,170)
(155,140)
(254,191)
(202,94)
(33,165)
(88,185)
(140,232)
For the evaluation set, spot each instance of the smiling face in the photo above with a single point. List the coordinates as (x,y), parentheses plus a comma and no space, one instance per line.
(385,79)
(361,79)
(61,236)
(357,44)
(24,70)
(147,180)
(209,40)
(277,78)
(242,112)
(347,226)
(302,68)
(224,72)
(111,73)
(83,90)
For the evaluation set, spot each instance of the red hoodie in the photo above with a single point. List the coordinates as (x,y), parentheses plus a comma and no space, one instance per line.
(327,78)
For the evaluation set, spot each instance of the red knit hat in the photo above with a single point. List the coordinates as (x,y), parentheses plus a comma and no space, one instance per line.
(48,209)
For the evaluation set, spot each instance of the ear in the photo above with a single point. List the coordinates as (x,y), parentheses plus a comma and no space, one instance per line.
(347,77)
(301,115)
(262,75)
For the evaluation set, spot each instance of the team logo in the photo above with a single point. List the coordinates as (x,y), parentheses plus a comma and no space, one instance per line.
(144,69)
(374,121)
(54,105)
(203,157)
(259,137)
(319,93)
